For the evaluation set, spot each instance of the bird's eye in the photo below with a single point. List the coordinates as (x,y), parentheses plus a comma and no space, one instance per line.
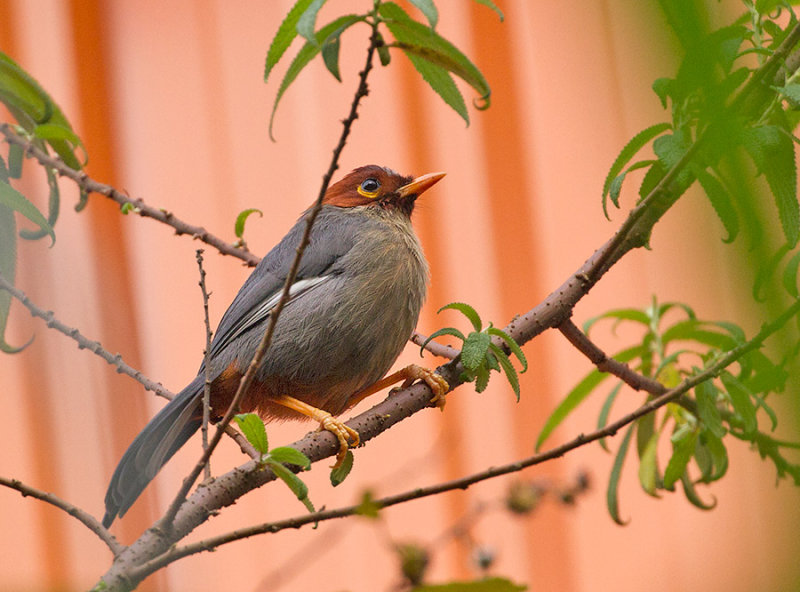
(369,187)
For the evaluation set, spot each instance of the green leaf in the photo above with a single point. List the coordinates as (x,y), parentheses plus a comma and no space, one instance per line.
(428,8)
(293,482)
(621,314)
(719,455)
(663,88)
(582,390)
(772,151)
(629,151)
(474,350)
(694,330)
(383,51)
(493,6)
(616,185)
(61,138)
(691,494)
(308,20)
(508,368)
(367,506)
(467,311)
(481,379)
(720,200)
(512,345)
(53,209)
(238,227)
(31,106)
(8,267)
(13,199)
(790,275)
(285,35)
(340,473)
(612,492)
(791,92)
(306,54)
(445,331)
(330,55)
(707,408)
(482,585)
(253,429)
(682,451)
(290,456)
(605,410)
(742,402)
(418,40)
(442,84)
(16,156)
(648,466)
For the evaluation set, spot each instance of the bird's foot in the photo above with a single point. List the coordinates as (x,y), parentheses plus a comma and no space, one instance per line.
(435,382)
(346,435)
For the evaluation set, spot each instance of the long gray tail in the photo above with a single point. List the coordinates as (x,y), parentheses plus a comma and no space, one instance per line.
(152,448)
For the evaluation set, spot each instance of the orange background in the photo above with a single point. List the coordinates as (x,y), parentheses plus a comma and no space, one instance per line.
(169,100)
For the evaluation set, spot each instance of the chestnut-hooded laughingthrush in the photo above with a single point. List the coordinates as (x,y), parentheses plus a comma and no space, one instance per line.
(353,305)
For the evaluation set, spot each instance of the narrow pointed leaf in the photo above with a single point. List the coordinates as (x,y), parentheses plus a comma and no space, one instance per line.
(238,227)
(682,451)
(582,390)
(691,494)
(308,20)
(54,204)
(648,466)
(629,151)
(707,408)
(742,402)
(512,345)
(293,482)
(8,267)
(508,368)
(493,6)
(330,56)
(340,473)
(285,35)
(612,491)
(721,201)
(428,8)
(417,39)
(772,152)
(13,199)
(290,456)
(605,410)
(467,311)
(305,55)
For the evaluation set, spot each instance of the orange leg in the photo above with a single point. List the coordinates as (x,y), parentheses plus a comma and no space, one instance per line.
(326,422)
(408,375)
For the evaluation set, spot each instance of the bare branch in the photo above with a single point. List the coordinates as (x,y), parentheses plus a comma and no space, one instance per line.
(139,206)
(87,519)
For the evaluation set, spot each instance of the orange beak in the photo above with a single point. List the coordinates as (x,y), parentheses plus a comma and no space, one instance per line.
(419,185)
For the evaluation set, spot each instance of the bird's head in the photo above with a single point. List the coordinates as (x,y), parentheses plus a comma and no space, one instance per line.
(379,187)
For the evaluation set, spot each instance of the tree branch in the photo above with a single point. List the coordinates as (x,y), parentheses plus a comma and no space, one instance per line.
(87,519)
(139,206)
(611,429)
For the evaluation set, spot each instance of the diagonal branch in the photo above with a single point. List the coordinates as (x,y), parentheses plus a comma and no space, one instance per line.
(611,429)
(87,519)
(89,185)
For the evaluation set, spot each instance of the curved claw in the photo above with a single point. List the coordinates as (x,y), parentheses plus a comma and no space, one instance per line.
(343,433)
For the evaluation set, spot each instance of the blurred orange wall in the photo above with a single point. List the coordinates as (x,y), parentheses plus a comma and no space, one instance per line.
(169,99)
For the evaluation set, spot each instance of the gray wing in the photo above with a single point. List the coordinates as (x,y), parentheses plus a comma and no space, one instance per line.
(262,290)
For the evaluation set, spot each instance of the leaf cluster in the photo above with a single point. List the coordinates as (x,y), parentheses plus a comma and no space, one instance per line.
(435,58)
(277,459)
(697,426)
(722,115)
(479,354)
(40,120)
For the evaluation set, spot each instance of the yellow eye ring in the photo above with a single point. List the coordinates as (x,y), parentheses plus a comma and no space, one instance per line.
(370,188)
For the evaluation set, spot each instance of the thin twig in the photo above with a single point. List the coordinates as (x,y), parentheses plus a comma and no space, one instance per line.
(139,206)
(606,364)
(87,519)
(255,363)
(113,359)
(85,343)
(437,349)
(207,361)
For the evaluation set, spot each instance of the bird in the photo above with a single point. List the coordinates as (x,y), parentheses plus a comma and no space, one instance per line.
(353,305)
